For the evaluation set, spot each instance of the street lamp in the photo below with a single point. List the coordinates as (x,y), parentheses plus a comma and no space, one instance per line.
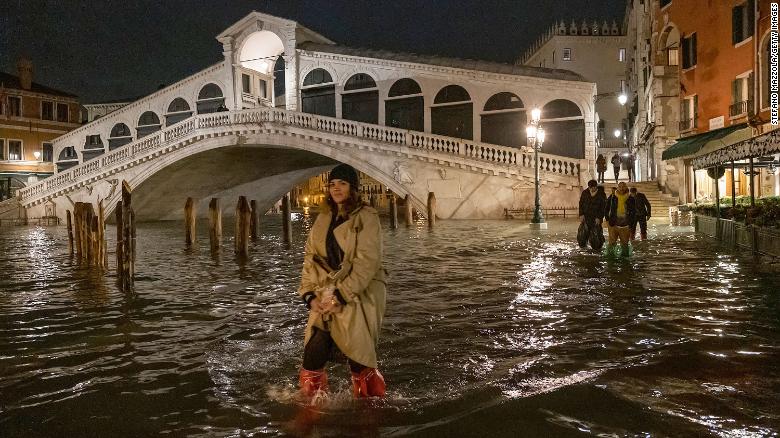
(37,155)
(535,135)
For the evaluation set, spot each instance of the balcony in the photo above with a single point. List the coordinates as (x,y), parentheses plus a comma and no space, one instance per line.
(740,108)
(687,124)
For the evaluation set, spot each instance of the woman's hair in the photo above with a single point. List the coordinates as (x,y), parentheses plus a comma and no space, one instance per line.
(352,202)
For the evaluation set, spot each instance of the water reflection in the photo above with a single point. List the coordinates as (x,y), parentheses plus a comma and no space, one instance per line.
(485,320)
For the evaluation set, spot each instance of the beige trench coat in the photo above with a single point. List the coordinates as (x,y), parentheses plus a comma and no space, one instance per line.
(361,282)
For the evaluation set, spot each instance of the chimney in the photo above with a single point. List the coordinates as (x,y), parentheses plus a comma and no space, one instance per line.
(24,68)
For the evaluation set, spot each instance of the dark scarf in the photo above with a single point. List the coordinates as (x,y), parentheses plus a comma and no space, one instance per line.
(335,253)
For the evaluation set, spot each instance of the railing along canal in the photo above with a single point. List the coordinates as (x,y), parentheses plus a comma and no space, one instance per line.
(494,154)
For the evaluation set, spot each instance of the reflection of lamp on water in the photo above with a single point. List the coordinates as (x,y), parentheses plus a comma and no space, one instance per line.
(535,135)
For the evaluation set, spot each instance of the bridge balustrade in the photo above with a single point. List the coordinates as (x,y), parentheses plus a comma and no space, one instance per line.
(501,155)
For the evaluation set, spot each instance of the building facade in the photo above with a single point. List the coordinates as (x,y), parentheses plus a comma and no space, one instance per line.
(598,52)
(31,117)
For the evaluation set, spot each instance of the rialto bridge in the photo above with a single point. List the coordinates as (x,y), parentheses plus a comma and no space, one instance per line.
(286,104)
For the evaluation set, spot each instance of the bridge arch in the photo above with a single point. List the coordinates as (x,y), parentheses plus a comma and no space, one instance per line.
(405,105)
(360,98)
(564,125)
(259,51)
(210,98)
(452,112)
(318,92)
(503,120)
(119,135)
(177,110)
(148,123)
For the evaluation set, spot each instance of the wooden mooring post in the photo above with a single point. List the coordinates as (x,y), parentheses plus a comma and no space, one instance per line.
(125,246)
(393,211)
(254,220)
(286,220)
(243,224)
(190,234)
(431,209)
(409,214)
(70,232)
(215,225)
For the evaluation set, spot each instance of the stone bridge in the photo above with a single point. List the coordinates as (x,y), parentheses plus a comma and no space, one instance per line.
(221,133)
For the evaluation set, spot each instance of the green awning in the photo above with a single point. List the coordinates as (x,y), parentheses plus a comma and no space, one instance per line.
(693,144)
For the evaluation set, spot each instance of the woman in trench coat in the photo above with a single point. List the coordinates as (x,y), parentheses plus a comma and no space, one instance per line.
(343,285)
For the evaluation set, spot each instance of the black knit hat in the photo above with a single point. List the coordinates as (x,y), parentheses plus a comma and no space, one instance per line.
(347,173)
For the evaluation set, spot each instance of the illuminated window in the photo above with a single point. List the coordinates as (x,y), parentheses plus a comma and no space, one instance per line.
(567,54)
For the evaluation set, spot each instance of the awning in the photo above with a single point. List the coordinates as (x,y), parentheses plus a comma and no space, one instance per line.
(693,144)
(763,145)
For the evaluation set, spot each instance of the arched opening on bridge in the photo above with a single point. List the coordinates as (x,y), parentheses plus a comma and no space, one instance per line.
(503,120)
(178,110)
(120,135)
(210,99)
(68,158)
(452,113)
(360,99)
(318,93)
(148,123)
(280,90)
(259,59)
(93,146)
(404,107)
(565,129)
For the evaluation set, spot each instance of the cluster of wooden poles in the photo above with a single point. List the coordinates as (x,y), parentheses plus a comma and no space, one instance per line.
(247,221)
(87,237)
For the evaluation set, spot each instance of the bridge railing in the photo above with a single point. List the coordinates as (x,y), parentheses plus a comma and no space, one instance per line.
(499,155)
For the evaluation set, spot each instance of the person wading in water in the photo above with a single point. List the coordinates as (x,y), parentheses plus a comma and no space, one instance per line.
(620,212)
(343,285)
(592,204)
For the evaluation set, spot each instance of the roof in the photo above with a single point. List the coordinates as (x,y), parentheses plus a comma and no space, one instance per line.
(12,82)
(693,144)
(468,64)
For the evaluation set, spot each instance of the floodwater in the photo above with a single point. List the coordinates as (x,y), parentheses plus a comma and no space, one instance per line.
(492,330)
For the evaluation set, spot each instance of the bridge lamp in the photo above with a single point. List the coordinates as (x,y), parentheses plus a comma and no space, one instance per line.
(535,134)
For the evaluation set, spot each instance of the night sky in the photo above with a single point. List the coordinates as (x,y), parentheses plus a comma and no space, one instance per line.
(108,49)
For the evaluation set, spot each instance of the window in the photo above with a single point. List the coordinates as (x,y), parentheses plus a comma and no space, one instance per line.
(622,55)
(246,83)
(622,85)
(48,152)
(742,21)
(741,95)
(2,149)
(47,110)
(665,3)
(263,89)
(62,112)
(14,106)
(567,54)
(93,140)
(673,56)
(553,57)
(14,149)
(689,51)
(688,112)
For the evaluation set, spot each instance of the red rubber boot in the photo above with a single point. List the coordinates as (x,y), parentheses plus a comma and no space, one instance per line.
(368,383)
(312,381)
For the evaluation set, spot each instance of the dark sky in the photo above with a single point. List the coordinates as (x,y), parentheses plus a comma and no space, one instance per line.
(107,49)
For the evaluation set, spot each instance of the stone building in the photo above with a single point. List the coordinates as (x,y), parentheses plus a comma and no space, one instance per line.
(598,52)
(31,117)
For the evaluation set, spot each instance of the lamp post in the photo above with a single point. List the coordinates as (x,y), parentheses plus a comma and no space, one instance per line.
(535,135)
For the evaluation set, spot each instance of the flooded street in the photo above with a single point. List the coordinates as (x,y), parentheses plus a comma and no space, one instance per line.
(491,330)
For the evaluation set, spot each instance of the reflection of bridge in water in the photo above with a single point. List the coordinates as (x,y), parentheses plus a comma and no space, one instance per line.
(406,120)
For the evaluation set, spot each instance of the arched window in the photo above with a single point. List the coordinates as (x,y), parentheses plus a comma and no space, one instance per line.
(452,113)
(120,136)
(404,107)
(178,110)
(318,94)
(360,99)
(148,123)
(210,99)
(503,120)
(67,159)
(564,129)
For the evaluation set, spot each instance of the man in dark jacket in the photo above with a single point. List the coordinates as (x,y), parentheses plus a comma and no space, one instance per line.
(620,212)
(592,204)
(616,165)
(643,211)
